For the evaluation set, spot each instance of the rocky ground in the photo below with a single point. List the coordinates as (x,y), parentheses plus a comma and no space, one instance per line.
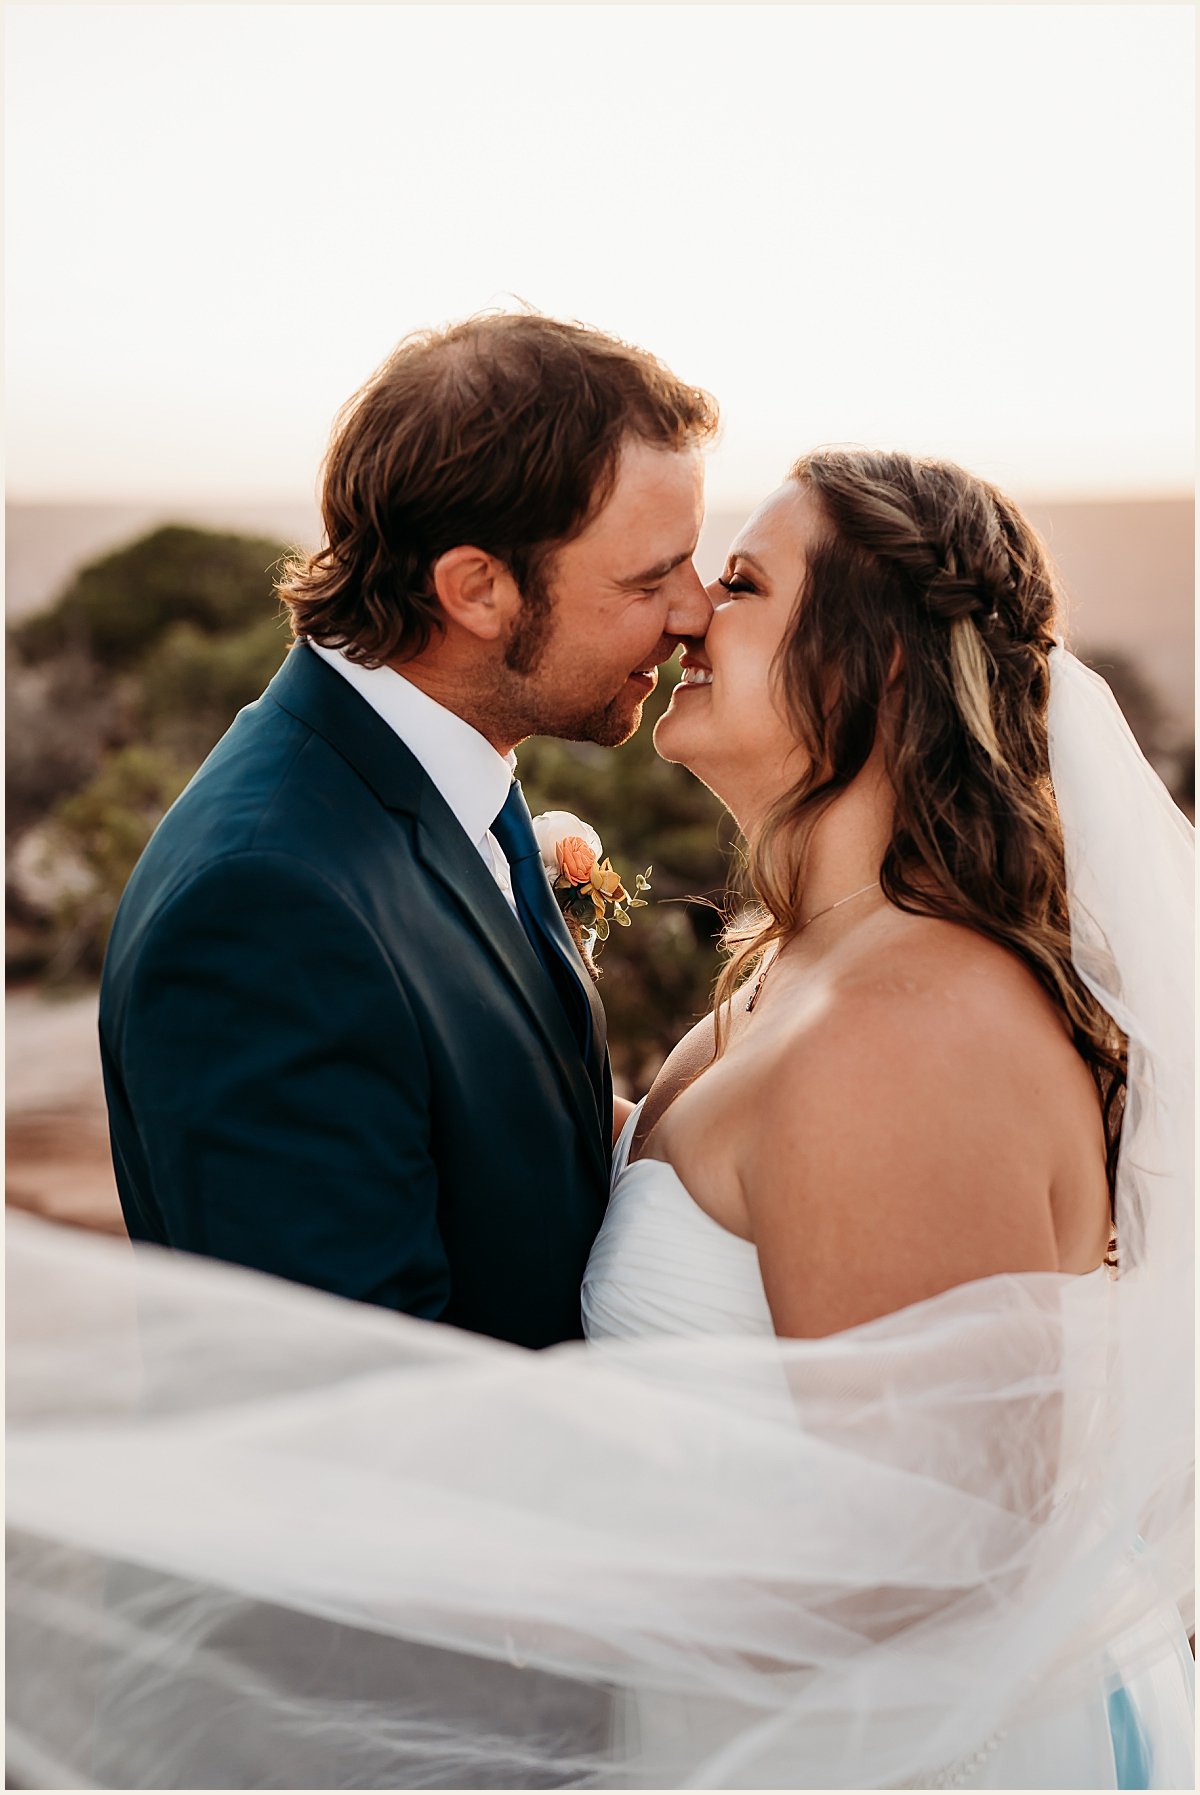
(57,1161)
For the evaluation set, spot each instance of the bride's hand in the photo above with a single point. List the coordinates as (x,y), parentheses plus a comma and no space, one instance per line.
(623,1108)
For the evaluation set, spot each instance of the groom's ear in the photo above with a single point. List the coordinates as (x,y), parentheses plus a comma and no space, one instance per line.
(476,591)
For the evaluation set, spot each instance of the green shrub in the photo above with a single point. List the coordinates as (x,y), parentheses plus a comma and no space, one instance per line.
(100,833)
(117,608)
(115,694)
(192,685)
(61,718)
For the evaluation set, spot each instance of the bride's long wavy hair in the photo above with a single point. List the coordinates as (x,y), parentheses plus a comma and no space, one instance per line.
(923,557)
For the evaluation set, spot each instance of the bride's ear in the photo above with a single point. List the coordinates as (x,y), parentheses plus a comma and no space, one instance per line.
(476,591)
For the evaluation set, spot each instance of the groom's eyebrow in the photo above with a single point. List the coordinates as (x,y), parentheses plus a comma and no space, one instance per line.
(658,572)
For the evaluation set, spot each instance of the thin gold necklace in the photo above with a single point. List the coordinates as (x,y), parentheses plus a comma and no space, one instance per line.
(761,980)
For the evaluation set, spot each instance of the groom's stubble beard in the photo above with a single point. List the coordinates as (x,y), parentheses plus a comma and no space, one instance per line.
(521,708)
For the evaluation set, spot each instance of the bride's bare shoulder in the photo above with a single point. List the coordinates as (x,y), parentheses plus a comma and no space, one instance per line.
(940,987)
(912,1131)
(927,1019)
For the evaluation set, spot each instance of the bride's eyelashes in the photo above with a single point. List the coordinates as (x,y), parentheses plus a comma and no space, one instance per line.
(736,585)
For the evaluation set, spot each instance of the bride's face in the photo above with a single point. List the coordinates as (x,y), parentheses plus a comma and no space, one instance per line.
(730,727)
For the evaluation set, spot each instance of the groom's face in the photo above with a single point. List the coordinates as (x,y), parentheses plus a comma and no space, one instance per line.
(622,596)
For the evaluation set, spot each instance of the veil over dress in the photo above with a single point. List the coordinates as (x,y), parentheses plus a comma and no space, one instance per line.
(259,1537)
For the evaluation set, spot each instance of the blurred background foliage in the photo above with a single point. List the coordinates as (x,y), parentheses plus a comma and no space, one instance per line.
(117,692)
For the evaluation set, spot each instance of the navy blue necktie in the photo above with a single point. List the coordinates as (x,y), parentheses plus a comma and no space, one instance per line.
(541,919)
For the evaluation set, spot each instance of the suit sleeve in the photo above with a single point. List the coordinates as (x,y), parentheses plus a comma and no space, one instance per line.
(281,1089)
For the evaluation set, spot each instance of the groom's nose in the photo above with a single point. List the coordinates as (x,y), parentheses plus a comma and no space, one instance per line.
(691,608)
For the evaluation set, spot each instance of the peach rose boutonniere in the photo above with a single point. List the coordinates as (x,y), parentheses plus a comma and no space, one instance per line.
(590,894)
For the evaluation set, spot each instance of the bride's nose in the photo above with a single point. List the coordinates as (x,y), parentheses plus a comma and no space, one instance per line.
(691,609)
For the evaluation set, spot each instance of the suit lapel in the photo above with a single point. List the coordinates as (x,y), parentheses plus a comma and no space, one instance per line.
(317,695)
(455,862)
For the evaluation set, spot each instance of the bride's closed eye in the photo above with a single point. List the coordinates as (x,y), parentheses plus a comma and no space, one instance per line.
(735,584)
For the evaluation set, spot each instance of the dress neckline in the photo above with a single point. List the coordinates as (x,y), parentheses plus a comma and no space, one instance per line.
(623,1166)
(677,1184)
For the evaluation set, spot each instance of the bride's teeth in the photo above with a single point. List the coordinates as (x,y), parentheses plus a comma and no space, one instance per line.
(695,676)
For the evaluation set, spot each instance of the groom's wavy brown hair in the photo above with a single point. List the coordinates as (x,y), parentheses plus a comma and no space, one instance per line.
(502,433)
(922,557)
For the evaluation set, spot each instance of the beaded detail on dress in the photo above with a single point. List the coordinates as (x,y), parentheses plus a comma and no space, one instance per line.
(956,1775)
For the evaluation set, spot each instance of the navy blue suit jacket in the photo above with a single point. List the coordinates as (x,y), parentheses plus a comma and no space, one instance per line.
(329,1050)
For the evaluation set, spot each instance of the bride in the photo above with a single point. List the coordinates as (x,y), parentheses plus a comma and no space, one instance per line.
(920,1090)
(875,1471)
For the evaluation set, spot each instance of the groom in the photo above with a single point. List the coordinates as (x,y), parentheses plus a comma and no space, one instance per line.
(345,1036)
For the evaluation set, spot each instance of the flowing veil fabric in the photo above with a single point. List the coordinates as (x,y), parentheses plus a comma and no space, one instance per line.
(262,1538)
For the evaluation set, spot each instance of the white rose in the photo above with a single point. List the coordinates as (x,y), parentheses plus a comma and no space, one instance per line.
(555,826)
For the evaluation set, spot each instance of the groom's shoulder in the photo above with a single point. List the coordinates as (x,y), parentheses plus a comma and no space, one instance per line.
(285,852)
(274,804)
(308,761)
(274,783)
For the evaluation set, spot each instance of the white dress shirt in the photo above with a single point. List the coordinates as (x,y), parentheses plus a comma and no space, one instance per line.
(468,772)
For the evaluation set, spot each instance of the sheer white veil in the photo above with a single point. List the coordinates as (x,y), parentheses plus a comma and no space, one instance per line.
(262,1538)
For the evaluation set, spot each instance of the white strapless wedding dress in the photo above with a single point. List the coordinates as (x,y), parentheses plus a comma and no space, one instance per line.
(661,1265)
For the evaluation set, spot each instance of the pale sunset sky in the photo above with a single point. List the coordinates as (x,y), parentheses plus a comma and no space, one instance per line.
(964,230)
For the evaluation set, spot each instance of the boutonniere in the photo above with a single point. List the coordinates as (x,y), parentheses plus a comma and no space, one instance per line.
(590,894)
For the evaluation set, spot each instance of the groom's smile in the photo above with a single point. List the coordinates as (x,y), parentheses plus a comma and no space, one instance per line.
(624,594)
